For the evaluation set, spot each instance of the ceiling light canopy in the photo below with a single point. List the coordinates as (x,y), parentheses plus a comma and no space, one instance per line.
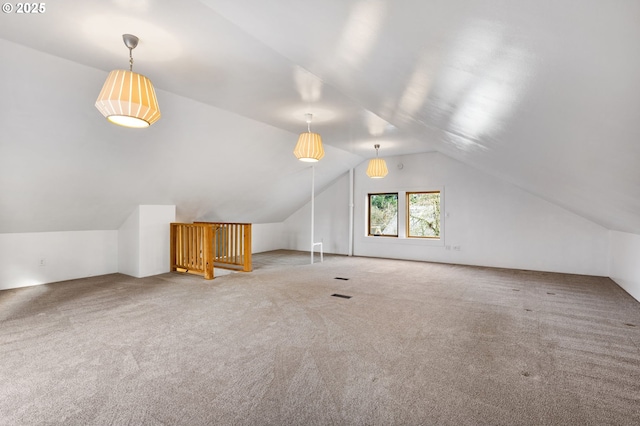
(309,147)
(377,168)
(128,98)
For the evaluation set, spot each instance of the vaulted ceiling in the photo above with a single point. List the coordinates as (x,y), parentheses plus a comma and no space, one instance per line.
(545,95)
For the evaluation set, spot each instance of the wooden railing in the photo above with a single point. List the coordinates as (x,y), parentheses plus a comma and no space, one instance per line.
(192,248)
(196,247)
(232,245)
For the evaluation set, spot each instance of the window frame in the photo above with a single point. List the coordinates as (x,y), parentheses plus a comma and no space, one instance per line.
(408,211)
(397,194)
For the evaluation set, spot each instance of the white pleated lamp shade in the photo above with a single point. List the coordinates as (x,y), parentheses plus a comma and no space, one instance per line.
(128,99)
(377,168)
(309,147)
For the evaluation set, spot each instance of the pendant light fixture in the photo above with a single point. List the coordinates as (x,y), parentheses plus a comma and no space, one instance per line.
(309,146)
(377,166)
(128,98)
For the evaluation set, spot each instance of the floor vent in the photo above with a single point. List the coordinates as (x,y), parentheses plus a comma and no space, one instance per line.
(515,289)
(340,278)
(628,324)
(341,295)
(553,294)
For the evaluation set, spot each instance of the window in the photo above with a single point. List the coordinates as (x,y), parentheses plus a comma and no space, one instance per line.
(383,214)
(423,214)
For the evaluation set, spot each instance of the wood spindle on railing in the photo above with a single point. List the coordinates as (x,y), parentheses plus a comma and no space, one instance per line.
(191,248)
(232,244)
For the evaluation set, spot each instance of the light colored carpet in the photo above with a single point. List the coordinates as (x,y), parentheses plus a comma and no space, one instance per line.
(417,344)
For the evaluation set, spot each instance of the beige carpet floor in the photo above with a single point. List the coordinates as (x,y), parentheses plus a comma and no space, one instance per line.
(416,344)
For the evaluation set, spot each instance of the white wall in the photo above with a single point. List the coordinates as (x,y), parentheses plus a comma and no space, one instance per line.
(154,239)
(67,255)
(129,245)
(143,241)
(267,237)
(331,220)
(624,261)
(493,222)
(139,248)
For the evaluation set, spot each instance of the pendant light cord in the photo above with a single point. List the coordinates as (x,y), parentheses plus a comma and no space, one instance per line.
(130,59)
(309,116)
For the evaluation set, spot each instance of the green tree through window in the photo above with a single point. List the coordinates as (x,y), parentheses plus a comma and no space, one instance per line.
(423,214)
(383,214)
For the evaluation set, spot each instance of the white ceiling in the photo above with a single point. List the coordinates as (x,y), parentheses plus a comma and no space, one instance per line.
(543,94)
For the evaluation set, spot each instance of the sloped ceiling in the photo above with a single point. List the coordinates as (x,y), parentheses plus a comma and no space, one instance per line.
(543,94)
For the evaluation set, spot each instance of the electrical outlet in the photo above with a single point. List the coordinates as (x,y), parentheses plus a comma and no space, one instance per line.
(456,248)
(43,261)
(447,247)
